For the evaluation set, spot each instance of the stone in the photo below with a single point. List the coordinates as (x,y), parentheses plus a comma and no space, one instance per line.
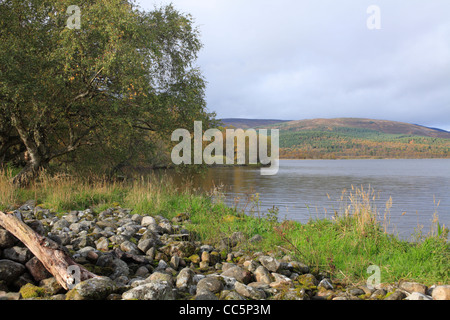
(97,288)
(153,290)
(231,295)
(10,270)
(184,249)
(326,284)
(9,295)
(145,244)
(239,274)
(249,292)
(37,226)
(418,296)
(205,256)
(6,239)
(299,267)
(174,262)
(30,291)
(441,293)
(356,291)
(137,218)
(37,269)
(160,276)
(185,279)
(51,286)
(280,281)
(262,275)
(102,244)
(308,280)
(211,284)
(269,263)
(413,287)
(147,220)
(120,268)
(142,271)
(166,226)
(206,295)
(378,294)
(396,295)
(129,247)
(18,254)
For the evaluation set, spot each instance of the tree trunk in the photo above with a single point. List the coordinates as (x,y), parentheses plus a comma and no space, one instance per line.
(53,256)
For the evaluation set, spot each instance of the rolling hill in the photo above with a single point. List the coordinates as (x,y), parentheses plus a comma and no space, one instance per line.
(344,138)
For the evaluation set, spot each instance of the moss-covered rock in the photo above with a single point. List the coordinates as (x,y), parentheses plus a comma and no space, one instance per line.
(29,291)
(92,289)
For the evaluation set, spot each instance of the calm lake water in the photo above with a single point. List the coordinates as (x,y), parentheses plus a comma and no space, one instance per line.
(305,189)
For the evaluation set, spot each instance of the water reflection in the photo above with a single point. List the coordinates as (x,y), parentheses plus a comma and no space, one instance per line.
(305,189)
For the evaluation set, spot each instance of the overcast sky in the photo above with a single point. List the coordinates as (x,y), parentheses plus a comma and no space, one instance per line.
(294,59)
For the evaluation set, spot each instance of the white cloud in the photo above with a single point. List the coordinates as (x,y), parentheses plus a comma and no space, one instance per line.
(304,59)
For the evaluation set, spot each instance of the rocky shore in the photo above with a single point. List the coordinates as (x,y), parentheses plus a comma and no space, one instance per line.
(151,258)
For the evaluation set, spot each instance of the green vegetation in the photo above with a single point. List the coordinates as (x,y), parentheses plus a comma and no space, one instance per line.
(349,142)
(344,246)
(101,97)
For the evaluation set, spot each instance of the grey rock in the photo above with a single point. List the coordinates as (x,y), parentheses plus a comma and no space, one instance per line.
(397,295)
(239,274)
(326,284)
(37,269)
(185,278)
(145,244)
(130,247)
(269,263)
(60,225)
(97,288)
(262,275)
(18,254)
(10,270)
(161,276)
(102,244)
(147,220)
(280,281)
(418,296)
(142,271)
(153,290)
(6,239)
(249,292)
(299,267)
(120,268)
(413,287)
(356,291)
(37,226)
(211,284)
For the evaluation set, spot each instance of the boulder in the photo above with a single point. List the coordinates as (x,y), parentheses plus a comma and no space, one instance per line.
(270,263)
(10,270)
(239,274)
(153,290)
(441,293)
(97,288)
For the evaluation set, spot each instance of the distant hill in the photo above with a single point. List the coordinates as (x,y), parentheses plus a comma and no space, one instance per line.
(384,126)
(344,138)
(250,123)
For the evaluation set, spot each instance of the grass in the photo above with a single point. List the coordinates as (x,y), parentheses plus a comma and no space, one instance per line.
(343,246)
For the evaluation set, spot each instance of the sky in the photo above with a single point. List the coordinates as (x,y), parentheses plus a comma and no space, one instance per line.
(295,59)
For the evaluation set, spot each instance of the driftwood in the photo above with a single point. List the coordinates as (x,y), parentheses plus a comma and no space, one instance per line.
(53,256)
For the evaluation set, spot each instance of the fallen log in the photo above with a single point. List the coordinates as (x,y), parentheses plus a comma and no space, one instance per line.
(53,256)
